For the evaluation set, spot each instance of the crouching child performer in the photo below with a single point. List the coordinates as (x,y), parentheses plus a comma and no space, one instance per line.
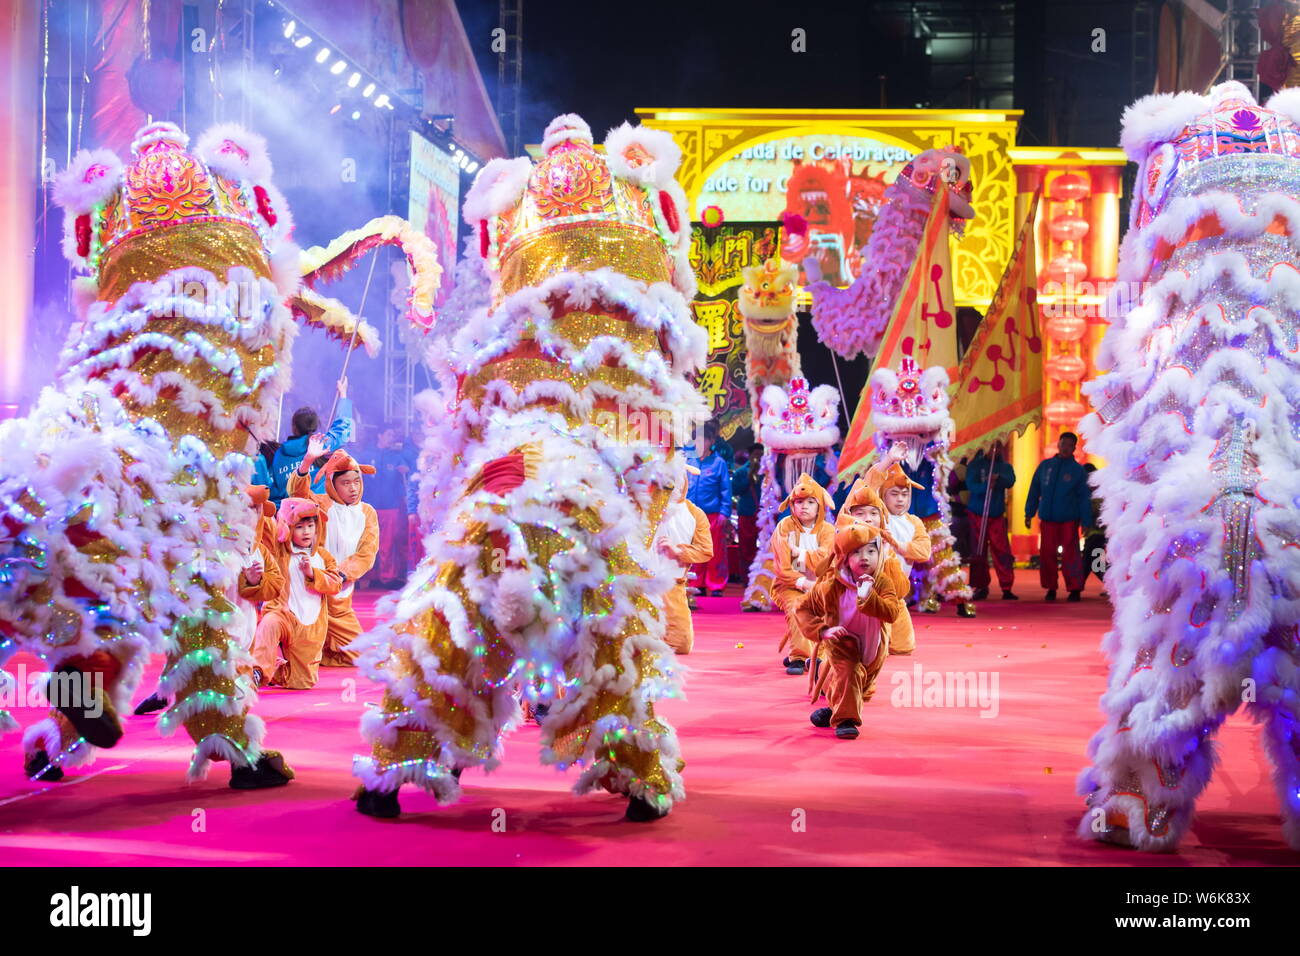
(846,612)
(291,635)
(801,546)
(908,533)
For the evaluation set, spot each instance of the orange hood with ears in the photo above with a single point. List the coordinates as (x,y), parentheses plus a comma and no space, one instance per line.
(260,496)
(893,477)
(293,510)
(853,536)
(805,487)
(338,463)
(860,494)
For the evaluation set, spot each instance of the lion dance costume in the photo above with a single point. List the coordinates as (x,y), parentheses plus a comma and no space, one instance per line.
(1199,418)
(798,425)
(911,406)
(571,397)
(123,520)
(853,320)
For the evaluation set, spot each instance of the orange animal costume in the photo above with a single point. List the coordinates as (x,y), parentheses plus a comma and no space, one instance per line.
(291,635)
(852,663)
(912,541)
(271,585)
(799,554)
(352,539)
(685,527)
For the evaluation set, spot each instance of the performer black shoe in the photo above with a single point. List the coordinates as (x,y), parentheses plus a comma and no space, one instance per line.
(1008,596)
(539,714)
(150,705)
(38,767)
(715,594)
(1074,597)
(640,810)
(1050,595)
(980,594)
(821,717)
(269,771)
(847,730)
(378,803)
(101,730)
(795,668)
(965,609)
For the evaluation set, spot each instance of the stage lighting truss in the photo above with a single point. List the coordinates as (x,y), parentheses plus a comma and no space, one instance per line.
(358,80)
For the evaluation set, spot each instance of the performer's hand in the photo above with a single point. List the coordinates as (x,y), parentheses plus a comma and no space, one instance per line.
(897,451)
(865,586)
(253,573)
(317,445)
(812,269)
(668,550)
(833,634)
(342,387)
(803,584)
(304,565)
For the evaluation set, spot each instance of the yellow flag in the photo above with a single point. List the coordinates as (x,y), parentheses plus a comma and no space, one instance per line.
(1000,384)
(922,325)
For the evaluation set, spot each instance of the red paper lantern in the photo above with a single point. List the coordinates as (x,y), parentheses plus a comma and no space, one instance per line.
(1068,226)
(1067,328)
(1064,411)
(1069,186)
(1066,270)
(1067,368)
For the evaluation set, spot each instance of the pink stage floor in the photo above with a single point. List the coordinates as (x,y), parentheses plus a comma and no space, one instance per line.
(922,785)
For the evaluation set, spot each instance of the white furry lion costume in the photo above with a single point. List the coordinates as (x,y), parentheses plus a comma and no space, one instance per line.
(1199,418)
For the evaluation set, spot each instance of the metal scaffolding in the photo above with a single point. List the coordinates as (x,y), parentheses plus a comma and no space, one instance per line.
(510,71)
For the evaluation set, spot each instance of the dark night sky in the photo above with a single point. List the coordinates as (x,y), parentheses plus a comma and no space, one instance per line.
(604,59)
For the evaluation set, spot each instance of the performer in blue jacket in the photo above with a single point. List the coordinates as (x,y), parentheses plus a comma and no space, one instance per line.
(305,424)
(710,491)
(1059,498)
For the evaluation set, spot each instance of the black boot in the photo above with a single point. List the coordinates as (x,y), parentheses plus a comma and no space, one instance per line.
(847,730)
(821,717)
(795,668)
(965,609)
(539,714)
(1008,596)
(1074,597)
(269,771)
(37,766)
(640,810)
(102,729)
(1050,595)
(980,594)
(151,705)
(378,803)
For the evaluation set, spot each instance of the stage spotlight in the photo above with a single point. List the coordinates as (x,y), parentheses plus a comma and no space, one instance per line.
(356,114)
(381,101)
(353,80)
(338,67)
(335,108)
(370,88)
(472,167)
(302,41)
(289,28)
(323,55)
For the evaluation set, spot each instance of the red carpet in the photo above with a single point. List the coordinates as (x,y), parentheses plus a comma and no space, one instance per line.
(929,786)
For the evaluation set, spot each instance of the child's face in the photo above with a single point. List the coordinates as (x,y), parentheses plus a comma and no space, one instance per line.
(304,533)
(804,509)
(347,484)
(898,500)
(869,514)
(865,561)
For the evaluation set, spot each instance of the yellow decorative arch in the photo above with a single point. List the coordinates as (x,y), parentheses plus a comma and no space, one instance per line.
(710,137)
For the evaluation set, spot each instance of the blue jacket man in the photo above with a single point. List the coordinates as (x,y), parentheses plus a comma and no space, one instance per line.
(1060,499)
(710,491)
(305,424)
(977,483)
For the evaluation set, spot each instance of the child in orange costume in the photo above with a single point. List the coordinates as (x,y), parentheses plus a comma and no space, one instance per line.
(684,537)
(800,546)
(910,537)
(846,611)
(351,536)
(293,625)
